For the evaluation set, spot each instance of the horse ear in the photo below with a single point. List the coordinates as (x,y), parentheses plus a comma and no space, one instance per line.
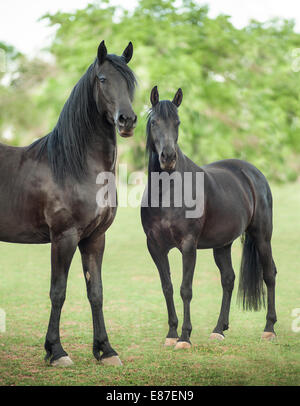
(178,98)
(154,98)
(102,52)
(128,51)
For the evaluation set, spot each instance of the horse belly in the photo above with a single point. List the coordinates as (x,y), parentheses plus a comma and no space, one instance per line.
(22,223)
(11,230)
(223,228)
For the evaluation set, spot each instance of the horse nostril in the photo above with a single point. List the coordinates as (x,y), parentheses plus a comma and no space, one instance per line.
(135,119)
(122,119)
(168,156)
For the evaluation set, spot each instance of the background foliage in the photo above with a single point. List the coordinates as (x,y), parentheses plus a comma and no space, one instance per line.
(241,86)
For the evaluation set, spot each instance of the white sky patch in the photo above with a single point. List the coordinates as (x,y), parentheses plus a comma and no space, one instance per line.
(8,134)
(242,11)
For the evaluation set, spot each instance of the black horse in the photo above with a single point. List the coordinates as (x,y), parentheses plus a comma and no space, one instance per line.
(48,189)
(234,199)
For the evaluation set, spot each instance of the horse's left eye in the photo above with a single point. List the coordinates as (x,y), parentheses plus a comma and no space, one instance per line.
(102,79)
(177,123)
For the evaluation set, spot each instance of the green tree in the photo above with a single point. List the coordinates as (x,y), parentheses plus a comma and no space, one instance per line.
(21,116)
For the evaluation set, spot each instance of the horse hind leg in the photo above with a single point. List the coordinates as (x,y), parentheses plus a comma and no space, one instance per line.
(269,276)
(222,258)
(259,236)
(258,266)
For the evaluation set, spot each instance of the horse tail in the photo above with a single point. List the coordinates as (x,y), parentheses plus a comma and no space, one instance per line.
(250,292)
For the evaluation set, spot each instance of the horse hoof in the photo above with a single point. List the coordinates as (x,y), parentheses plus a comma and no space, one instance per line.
(170,342)
(182,345)
(62,362)
(114,361)
(268,335)
(216,336)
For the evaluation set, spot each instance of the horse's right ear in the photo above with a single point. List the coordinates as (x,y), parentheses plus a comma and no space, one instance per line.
(102,52)
(178,98)
(127,54)
(154,98)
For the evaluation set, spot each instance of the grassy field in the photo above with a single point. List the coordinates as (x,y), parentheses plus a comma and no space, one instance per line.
(136,318)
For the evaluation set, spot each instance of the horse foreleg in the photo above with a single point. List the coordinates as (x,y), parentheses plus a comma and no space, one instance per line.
(189,252)
(92,250)
(62,251)
(160,258)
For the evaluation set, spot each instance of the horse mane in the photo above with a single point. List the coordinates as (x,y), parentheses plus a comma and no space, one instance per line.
(66,145)
(165,109)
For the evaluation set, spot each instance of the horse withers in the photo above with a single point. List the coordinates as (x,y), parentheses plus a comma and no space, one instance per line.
(48,190)
(233,199)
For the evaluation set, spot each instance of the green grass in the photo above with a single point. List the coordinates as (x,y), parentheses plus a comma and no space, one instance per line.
(136,318)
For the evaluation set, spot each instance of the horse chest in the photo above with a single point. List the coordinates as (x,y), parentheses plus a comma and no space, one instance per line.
(167,232)
(101,220)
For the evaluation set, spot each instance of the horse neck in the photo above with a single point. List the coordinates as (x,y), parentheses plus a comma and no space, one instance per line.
(102,146)
(154,167)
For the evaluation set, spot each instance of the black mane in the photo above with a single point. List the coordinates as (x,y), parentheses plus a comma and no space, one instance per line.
(165,109)
(78,123)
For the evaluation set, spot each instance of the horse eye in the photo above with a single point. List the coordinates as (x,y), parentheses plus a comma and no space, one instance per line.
(102,78)
(153,123)
(177,123)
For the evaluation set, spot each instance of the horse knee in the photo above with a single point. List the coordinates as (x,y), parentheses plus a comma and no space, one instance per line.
(167,290)
(228,281)
(269,279)
(186,293)
(57,297)
(95,298)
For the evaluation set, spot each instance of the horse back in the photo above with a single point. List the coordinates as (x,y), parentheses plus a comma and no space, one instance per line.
(235,192)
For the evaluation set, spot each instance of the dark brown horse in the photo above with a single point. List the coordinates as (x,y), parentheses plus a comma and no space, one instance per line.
(48,189)
(233,198)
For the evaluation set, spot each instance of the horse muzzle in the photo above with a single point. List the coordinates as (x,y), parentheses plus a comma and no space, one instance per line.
(126,125)
(168,160)
(126,133)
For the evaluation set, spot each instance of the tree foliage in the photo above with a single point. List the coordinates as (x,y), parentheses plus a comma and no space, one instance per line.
(21,84)
(240,86)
